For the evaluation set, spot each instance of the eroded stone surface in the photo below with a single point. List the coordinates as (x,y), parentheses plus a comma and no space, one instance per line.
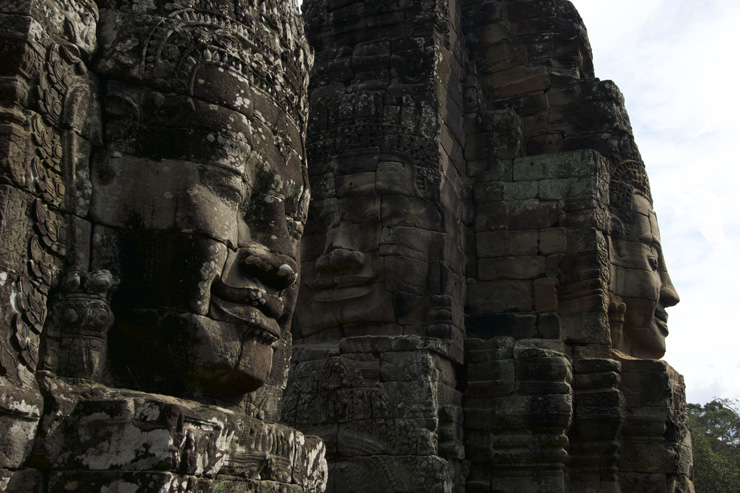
(482,292)
(475,185)
(154,191)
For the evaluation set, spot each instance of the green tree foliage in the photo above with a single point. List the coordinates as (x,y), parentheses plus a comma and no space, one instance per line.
(715,437)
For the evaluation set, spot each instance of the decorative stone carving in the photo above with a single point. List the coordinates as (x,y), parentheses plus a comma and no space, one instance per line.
(160,145)
(159,443)
(77,331)
(484,151)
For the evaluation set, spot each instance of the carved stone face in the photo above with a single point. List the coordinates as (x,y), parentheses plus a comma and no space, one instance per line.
(367,261)
(640,286)
(345,284)
(199,203)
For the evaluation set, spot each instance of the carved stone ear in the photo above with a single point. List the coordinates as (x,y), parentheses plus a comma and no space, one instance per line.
(616,228)
(427,182)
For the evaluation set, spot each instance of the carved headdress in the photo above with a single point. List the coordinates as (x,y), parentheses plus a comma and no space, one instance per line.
(628,178)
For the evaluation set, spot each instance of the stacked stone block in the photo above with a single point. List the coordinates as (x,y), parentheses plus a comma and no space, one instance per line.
(528,140)
(385,151)
(598,417)
(534,58)
(655,450)
(386,408)
(518,408)
(79,80)
(99,439)
(523,235)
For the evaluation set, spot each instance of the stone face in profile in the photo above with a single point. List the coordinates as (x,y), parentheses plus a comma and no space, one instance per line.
(201,196)
(640,288)
(461,156)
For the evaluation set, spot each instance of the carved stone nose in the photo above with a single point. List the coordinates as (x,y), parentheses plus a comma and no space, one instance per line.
(668,294)
(343,259)
(273,271)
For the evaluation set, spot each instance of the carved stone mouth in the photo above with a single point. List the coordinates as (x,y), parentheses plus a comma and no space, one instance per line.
(661,321)
(253,308)
(269,304)
(341,282)
(342,293)
(350,281)
(341,288)
(256,324)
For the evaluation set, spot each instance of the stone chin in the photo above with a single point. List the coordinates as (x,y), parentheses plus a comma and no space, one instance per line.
(649,342)
(322,309)
(639,340)
(190,356)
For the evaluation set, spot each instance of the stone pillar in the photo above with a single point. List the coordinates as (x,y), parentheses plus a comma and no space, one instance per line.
(518,408)
(50,125)
(566,163)
(655,452)
(379,323)
(598,418)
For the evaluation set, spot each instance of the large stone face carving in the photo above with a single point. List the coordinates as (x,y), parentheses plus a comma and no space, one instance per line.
(154,194)
(202,195)
(346,284)
(640,287)
(382,232)
(480,207)
(482,293)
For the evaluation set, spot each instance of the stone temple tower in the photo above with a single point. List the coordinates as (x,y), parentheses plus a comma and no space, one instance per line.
(474,300)
(483,294)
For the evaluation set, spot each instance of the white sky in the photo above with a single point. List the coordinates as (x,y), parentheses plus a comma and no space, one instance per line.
(676,63)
